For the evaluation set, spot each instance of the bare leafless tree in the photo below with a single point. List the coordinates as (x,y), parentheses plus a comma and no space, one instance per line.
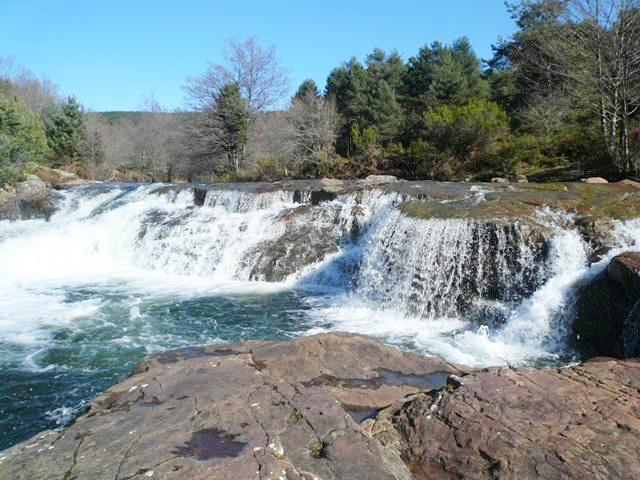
(312,128)
(262,83)
(40,94)
(94,147)
(255,69)
(596,48)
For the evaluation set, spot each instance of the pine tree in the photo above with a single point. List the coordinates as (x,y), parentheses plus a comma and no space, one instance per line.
(66,132)
(307,88)
(231,124)
(22,139)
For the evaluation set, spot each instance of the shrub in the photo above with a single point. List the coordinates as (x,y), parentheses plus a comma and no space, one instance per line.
(467,131)
(271,168)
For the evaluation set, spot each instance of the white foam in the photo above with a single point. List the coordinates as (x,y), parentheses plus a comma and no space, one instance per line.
(404,280)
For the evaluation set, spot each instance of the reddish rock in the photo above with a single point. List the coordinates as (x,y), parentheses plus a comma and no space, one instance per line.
(625,270)
(581,422)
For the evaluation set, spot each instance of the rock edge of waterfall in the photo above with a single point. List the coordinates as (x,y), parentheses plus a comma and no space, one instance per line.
(338,406)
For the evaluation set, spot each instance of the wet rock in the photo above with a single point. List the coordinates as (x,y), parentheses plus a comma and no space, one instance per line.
(597,232)
(581,422)
(499,180)
(316,197)
(199,196)
(454,381)
(625,270)
(606,317)
(380,179)
(238,411)
(595,180)
(308,235)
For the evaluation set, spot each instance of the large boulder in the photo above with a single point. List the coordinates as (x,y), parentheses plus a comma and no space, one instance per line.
(499,180)
(625,271)
(380,179)
(595,180)
(31,189)
(521,179)
(31,198)
(607,306)
(55,177)
(344,406)
(630,183)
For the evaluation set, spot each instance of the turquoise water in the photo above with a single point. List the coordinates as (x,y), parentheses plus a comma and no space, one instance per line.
(90,354)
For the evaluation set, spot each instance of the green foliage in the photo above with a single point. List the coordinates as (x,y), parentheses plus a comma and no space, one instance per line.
(365,139)
(431,162)
(368,97)
(583,145)
(324,166)
(66,132)
(307,88)
(468,130)
(270,168)
(444,75)
(22,139)
(232,119)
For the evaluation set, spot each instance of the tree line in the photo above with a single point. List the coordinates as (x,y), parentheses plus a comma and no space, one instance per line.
(558,99)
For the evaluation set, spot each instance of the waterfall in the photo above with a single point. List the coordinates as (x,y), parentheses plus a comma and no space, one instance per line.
(476,292)
(437,268)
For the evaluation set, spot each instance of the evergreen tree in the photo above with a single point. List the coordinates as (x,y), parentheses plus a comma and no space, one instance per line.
(368,98)
(307,88)
(231,124)
(440,75)
(347,84)
(22,139)
(66,132)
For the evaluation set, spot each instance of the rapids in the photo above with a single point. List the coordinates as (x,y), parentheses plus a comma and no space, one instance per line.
(120,271)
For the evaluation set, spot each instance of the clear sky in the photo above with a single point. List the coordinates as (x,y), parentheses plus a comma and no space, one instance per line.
(112,53)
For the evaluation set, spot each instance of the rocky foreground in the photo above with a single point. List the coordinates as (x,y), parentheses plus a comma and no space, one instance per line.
(344,406)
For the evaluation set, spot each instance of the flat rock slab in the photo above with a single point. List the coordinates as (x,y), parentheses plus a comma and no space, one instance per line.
(344,406)
(257,410)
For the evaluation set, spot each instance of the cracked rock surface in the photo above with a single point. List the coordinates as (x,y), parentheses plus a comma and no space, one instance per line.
(343,406)
(257,410)
(580,422)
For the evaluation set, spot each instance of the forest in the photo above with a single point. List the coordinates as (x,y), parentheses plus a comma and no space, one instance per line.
(558,100)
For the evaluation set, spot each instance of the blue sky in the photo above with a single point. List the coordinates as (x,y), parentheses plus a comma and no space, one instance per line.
(111,54)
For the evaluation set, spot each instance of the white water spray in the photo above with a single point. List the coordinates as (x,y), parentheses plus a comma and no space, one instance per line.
(479,293)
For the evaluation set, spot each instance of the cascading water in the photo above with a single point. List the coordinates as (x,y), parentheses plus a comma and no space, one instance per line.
(120,272)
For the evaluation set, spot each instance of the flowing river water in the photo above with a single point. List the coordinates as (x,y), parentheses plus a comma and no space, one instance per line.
(120,272)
